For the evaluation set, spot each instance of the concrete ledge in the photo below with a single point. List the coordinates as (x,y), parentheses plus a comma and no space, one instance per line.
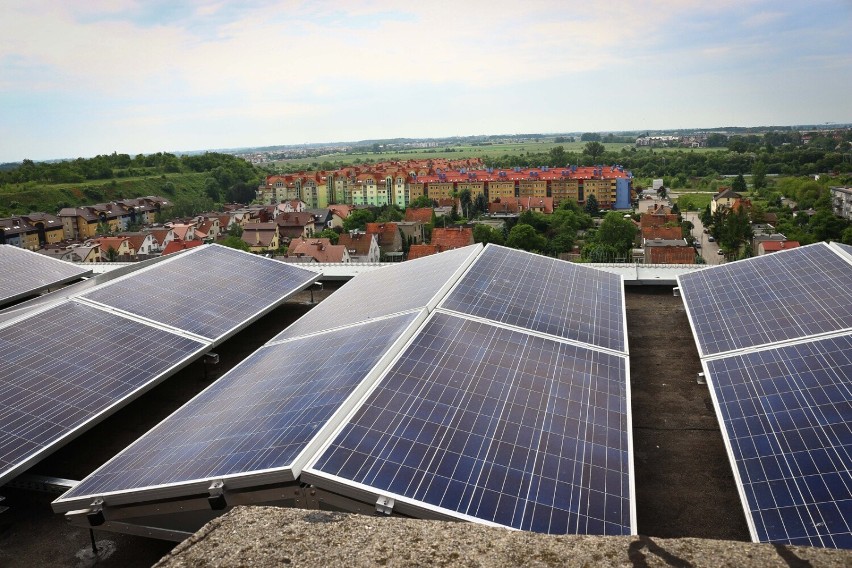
(271,536)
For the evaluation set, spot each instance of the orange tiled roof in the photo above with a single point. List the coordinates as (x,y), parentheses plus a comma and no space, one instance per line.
(452,237)
(666,233)
(178,245)
(357,243)
(422,214)
(775,246)
(419,251)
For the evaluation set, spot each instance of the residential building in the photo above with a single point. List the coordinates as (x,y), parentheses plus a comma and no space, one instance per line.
(261,237)
(142,245)
(362,247)
(295,225)
(421,214)
(767,247)
(115,249)
(419,251)
(662,232)
(412,231)
(178,245)
(388,237)
(841,201)
(321,250)
(451,238)
(668,251)
(726,199)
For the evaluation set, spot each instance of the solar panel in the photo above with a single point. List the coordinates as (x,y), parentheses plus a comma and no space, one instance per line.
(25,273)
(543,294)
(68,366)
(260,416)
(210,291)
(786,414)
(406,286)
(846,248)
(785,295)
(487,423)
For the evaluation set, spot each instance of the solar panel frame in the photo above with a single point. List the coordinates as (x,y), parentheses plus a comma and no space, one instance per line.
(33,273)
(773,450)
(824,303)
(45,376)
(508,306)
(367,295)
(279,474)
(115,295)
(419,508)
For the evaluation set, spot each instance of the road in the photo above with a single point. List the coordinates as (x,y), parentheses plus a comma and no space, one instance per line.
(709,251)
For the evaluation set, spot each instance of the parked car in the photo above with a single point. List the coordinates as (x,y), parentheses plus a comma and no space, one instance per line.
(711,239)
(721,251)
(697,245)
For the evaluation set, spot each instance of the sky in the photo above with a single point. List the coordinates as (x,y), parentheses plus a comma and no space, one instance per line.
(78,79)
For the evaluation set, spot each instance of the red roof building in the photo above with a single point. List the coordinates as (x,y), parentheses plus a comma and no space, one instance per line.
(178,245)
(451,238)
(419,251)
(767,247)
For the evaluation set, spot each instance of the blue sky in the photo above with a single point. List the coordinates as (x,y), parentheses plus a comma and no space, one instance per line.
(87,78)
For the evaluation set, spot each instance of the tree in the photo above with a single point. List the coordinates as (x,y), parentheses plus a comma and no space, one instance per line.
(211,189)
(594,150)
(739,184)
(234,242)
(590,137)
(466,201)
(591,206)
(600,252)
(358,219)
(422,201)
(525,237)
(329,234)
(617,232)
(758,175)
(235,230)
(111,254)
(389,214)
(485,234)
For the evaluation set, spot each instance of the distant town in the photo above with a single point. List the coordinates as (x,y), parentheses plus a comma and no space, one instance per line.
(652,197)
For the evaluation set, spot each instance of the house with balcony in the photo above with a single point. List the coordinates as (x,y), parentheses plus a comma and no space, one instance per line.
(841,201)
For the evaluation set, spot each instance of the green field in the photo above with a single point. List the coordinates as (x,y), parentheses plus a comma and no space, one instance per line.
(33,196)
(694,201)
(446,152)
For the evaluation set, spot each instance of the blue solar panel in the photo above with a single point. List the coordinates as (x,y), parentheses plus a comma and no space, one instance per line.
(69,365)
(24,273)
(787,416)
(210,291)
(258,417)
(785,295)
(484,422)
(543,294)
(406,286)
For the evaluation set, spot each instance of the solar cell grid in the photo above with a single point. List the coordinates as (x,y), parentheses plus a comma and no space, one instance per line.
(498,425)
(787,415)
(543,294)
(23,272)
(786,295)
(259,416)
(388,290)
(68,365)
(208,291)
